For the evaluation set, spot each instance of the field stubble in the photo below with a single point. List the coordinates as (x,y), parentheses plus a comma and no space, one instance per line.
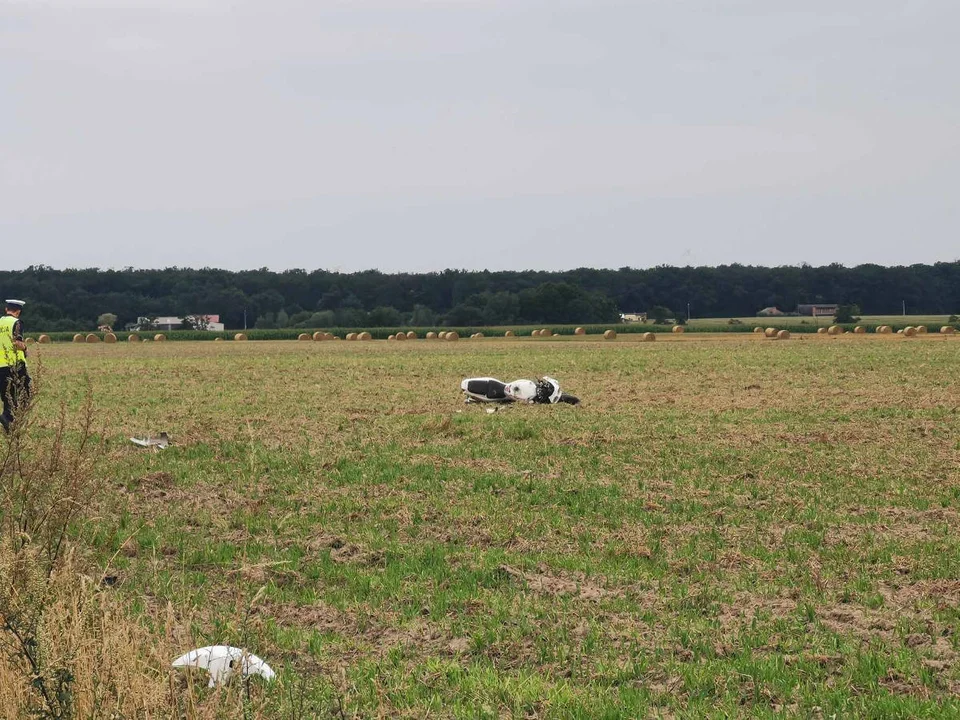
(724,526)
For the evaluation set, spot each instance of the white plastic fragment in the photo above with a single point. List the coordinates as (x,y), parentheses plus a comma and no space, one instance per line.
(222,661)
(160,442)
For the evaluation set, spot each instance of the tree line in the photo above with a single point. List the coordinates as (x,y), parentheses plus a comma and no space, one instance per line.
(73,299)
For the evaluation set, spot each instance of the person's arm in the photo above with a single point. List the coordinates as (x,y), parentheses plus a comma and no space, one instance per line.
(18,336)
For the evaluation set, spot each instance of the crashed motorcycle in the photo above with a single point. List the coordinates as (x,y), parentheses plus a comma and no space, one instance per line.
(545,391)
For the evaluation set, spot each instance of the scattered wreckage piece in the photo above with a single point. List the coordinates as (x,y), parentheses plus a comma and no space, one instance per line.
(160,442)
(222,661)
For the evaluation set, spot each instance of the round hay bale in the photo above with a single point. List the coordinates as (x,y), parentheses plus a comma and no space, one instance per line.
(579,331)
(534,333)
(452,336)
(391,337)
(431,335)
(909,331)
(679,329)
(546,333)
(508,333)
(43,339)
(91,338)
(401,336)
(110,338)
(351,336)
(770,332)
(885,330)
(304,337)
(783,335)
(319,336)
(758,330)
(480,335)
(160,337)
(649,337)
(834,330)
(921,329)
(859,330)
(240,337)
(411,335)
(610,335)
(821,331)
(78,338)
(336,337)
(900,331)
(218,339)
(29,341)
(945,330)
(365,336)
(133,337)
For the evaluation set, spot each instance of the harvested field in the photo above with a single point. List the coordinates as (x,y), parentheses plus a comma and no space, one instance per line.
(725,526)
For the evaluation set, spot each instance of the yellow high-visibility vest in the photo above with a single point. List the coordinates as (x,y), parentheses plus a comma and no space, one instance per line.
(9,353)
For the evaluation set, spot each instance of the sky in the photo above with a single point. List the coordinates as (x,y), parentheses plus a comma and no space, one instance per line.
(419,135)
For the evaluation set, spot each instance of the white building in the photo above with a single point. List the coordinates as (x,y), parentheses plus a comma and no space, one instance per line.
(170,322)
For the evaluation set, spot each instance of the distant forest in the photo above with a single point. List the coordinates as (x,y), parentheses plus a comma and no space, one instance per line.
(73,299)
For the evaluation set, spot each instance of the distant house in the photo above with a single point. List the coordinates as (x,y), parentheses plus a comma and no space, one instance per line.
(171,322)
(770,312)
(817,310)
(633,317)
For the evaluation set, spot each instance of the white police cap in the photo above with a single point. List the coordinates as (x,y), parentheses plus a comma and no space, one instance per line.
(18,303)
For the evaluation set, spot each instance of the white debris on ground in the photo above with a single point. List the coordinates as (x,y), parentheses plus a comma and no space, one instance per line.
(160,442)
(222,661)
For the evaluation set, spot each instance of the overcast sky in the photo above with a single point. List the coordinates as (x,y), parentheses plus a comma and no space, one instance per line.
(500,134)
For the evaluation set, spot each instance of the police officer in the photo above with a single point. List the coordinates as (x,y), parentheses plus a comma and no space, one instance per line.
(14,378)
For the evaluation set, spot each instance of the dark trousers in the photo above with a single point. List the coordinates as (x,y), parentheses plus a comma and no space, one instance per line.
(15,386)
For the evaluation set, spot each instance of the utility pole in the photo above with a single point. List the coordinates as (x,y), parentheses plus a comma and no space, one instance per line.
(904,308)
(688,312)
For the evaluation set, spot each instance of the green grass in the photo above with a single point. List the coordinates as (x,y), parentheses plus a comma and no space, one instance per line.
(726,526)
